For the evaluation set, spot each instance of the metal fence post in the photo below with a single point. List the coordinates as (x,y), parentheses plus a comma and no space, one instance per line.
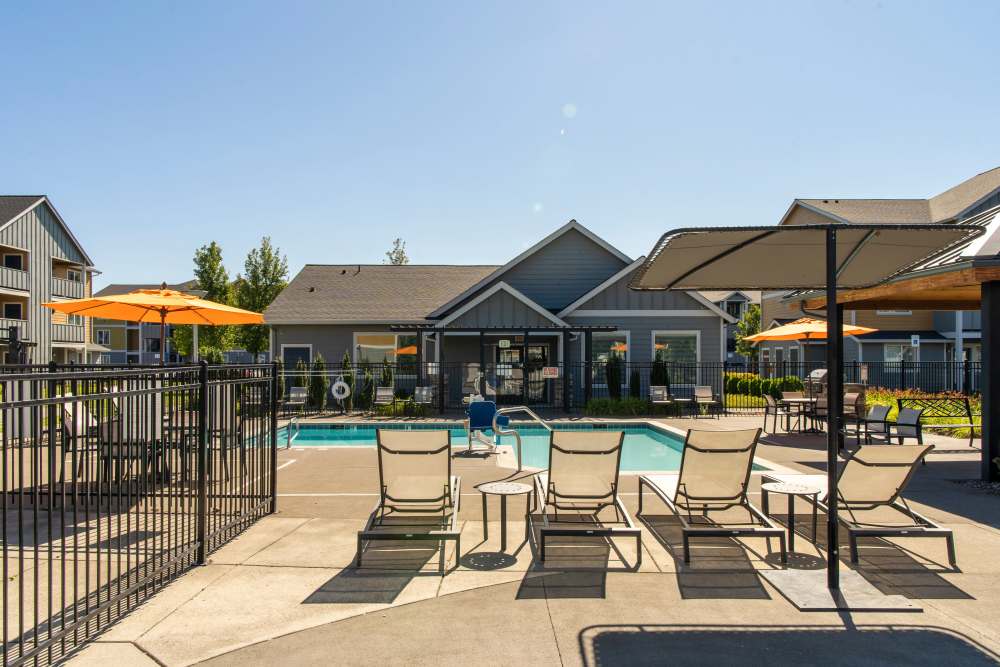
(202,501)
(274,437)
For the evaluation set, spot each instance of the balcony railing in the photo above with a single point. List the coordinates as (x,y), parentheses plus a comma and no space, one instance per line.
(67,288)
(6,323)
(13,279)
(67,333)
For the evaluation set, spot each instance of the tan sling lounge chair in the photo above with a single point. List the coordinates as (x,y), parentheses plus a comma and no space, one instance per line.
(582,478)
(874,477)
(714,476)
(415,478)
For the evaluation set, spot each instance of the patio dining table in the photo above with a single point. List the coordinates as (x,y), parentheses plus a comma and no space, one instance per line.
(801,405)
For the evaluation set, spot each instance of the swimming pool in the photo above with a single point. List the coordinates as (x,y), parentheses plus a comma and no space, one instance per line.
(647,448)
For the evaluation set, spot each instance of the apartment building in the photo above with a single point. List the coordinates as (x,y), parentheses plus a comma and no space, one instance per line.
(133,342)
(902,335)
(42,261)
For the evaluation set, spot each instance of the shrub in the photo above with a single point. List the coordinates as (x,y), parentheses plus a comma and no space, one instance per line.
(755,383)
(658,375)
(613,373)
(385,378)
(319,384)
(348,371)
(301,373)
(766,386)
(634,384)
(743,386)
(622,407)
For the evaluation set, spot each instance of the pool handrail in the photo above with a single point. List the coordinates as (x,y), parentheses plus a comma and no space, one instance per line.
(511,431)
(294,421)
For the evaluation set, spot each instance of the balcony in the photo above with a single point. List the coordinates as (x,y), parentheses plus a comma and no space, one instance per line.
(14,279)
(67,333)
(7,323)
(67,288)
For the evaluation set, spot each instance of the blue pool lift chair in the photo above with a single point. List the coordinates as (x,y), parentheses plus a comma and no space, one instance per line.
(479,421)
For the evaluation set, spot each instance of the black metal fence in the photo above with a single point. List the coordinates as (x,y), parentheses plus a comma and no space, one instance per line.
(115,481)
(571,386)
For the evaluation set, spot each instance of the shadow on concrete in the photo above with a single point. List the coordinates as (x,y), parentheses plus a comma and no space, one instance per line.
(608,646)
(719,569)
(577,584)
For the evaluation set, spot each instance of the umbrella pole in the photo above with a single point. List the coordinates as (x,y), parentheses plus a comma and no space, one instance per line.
(163,336)
(834,406)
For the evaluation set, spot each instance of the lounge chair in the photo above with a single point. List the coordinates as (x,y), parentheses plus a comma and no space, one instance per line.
(876,421)
(423,395)
(874,477)
(79,430)
(479,420)
(705,398)
(414,469)
(582,478)
(296,399)
(714,476)
(907,425)
(660,395)
(385,396)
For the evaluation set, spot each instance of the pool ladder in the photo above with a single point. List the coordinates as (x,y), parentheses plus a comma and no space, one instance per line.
(510,431)
(294,421)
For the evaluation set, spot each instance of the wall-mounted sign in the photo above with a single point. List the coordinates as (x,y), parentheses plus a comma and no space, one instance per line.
(550,372)
(915,340)
(503,344)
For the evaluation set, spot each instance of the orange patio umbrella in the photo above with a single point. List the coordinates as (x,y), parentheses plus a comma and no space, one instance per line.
(806,328)
(163,305)
(408,349)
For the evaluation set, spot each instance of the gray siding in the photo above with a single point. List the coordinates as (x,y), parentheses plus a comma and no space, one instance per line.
(945,320)
(501,309)
(641,338)
(332,341)
(619,297)
(563,271)
(41,234)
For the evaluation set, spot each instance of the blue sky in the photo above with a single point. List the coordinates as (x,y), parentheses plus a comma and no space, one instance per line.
(473,130)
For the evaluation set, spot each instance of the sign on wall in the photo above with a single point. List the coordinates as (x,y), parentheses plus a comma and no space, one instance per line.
(550,372)
(503,344)
(915,340)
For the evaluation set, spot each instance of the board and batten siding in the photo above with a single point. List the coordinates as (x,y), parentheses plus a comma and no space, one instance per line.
(501,309)
(40,233)
(641,335)
(561,272)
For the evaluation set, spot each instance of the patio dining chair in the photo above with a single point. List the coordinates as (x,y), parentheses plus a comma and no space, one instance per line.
(385,396)
(773,409)
(714,476)
(705,398)
(907,425)
(415,480)
(660,395)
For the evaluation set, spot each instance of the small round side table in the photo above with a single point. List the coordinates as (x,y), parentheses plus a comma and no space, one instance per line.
(504,489)
(791,490)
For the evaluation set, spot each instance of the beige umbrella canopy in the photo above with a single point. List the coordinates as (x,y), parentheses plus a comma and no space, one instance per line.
(162,305)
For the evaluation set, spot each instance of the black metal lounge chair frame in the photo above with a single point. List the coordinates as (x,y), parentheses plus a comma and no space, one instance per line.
(600,529)
(450,500)
(767,528)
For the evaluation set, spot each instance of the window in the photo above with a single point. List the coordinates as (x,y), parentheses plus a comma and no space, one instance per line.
(894,313)
(735,308)
(75,319)
(75,275)
(13,262)
(105,358)
(605,346)
(151,345)
(793,355)
(677,348)
(779,356)
(103,336)
(12,311)
(379,348)
(899,352)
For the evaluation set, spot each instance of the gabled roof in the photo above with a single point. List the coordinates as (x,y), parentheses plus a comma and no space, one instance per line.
(188,286)
(572,225)
(13,207)
(498,287)
(947,206)
(715,296)
(369,293)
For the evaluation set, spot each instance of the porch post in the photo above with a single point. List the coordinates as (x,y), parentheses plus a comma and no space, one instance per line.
(440,369)
(564,370)
(989,382)
(482,355)
(420,358)
(588,353)
(834,405)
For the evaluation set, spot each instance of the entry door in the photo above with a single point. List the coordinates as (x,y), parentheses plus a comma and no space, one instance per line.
(538,387)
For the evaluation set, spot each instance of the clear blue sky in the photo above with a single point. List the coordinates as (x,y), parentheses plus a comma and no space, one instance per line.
(473,131)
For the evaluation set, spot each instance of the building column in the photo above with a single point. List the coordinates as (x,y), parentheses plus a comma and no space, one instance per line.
(959,350)
(420,358)
(588,377)
(990,382)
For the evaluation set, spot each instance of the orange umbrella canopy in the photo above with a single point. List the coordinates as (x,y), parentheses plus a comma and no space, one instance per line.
(165,306)
(407,349)
(805,328)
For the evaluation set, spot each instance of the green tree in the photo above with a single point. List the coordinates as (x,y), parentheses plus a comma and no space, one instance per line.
(301,373)
(397,253)
(348,371)
(265,274)
(613,373)
(748,325)
(319,383)
(213,279)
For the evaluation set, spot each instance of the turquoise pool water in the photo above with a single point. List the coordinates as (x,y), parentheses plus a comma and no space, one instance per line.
(646,448)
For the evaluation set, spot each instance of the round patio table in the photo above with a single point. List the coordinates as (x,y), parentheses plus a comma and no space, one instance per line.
(791,490)
(504,489)
(800,404)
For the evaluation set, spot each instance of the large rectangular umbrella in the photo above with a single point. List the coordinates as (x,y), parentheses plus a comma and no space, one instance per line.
(800,257)
(162,305)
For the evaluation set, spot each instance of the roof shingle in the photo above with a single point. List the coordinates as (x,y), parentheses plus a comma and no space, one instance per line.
(13,205)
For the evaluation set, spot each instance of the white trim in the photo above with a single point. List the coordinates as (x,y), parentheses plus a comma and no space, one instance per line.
(644,313)
(510,290)
(814,209)
(10,291)
(711,306)
(680,332)
(98,331)
(19,255)
(300,345)
(23,306)
(572,224)
(603,286)
(894,313)
(329,322)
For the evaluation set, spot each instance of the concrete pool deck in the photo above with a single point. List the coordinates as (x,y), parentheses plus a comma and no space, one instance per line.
(285,592)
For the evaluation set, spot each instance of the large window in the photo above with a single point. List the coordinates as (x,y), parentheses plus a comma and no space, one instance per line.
(12,311)
(735,308)
(378,348)
(678,348)
(605,346)
(12,261)
(103,336)
(899,352)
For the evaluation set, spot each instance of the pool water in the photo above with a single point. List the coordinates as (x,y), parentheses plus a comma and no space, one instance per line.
(646,448)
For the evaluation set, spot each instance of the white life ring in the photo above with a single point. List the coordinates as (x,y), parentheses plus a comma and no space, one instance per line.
(340,390)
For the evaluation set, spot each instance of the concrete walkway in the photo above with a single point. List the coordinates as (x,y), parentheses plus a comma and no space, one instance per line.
(284,592)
